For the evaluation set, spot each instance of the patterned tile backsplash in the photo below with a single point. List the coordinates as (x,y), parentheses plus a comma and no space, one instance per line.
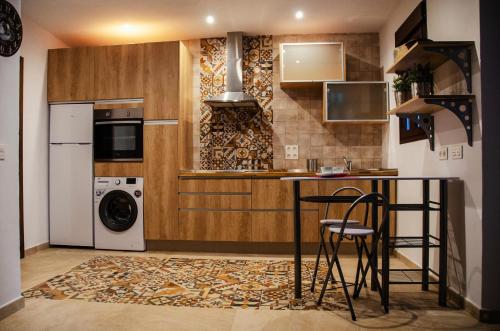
(237,138)
(231,139)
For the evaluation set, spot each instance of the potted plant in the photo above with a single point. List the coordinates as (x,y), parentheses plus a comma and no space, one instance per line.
(421,80)
(402,88)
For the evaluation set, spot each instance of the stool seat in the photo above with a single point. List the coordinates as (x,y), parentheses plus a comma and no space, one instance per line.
(335,221)
(353,230)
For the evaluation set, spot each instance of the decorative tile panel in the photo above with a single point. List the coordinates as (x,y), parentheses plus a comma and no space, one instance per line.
(237,138)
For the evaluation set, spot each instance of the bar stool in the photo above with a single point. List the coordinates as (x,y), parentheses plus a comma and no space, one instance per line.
(361,232)
(327,222)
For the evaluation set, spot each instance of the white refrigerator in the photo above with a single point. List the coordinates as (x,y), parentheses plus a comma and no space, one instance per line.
(70,175)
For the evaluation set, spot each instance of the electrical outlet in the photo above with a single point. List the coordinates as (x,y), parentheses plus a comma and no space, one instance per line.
(443,153)
(456,152)
(2,152)
(291,152)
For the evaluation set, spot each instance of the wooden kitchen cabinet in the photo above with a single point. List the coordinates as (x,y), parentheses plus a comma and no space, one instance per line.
(278,194)
(215,225)
(201,185)
(118,169)
(160,182)
(215,201)
(70,74)
(119,71)
(161,80)
(303,64)
(278,226)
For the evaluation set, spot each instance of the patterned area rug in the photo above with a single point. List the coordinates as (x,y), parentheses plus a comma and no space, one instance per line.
(188,282)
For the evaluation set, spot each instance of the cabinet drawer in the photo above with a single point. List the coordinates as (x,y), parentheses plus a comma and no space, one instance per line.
(215,225)
(215,201)
(118,169)
(278,194)
(215,185)
(277,226)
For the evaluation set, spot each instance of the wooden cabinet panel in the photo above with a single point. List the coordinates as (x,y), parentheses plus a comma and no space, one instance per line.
(70,74)
(161,80)
(118,169)
(160,182)
(278,194)
(277,226)
(119,71)
(185,107)
(215,185)
(215,225)
(211,201)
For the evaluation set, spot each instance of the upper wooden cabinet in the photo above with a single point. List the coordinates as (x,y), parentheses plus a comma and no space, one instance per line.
(119,72)
(70,75)
(161,80)
(167,80)
(305,63)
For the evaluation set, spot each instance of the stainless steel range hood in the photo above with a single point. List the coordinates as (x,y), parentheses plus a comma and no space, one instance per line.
(234,96)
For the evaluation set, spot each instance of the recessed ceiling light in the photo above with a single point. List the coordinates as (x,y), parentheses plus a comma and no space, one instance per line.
(297,61)
(299,14)
(210,19)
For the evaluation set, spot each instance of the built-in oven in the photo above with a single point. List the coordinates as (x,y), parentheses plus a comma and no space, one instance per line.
(118,134)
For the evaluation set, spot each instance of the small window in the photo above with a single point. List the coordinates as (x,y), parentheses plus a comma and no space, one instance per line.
(409,131)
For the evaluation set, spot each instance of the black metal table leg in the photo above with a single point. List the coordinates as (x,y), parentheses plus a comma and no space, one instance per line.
(443,240)
(374,246)
(297,239)
(385,247)
(425,235)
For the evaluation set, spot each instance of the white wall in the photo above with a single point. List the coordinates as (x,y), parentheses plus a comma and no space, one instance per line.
(36,131)
(10,273)
(447,20)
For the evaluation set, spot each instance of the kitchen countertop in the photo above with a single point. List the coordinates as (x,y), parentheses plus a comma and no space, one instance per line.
(275,173)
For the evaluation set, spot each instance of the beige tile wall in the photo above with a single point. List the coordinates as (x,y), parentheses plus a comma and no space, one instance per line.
(298,112)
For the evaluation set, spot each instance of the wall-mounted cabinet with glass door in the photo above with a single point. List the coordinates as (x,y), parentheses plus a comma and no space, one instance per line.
(309,63)
(355,102)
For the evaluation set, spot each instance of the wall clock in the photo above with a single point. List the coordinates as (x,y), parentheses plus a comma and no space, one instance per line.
(11,29)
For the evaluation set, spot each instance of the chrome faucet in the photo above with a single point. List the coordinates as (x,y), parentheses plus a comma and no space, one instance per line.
(348,164)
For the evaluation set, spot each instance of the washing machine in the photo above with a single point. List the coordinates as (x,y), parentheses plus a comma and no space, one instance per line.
(118,213)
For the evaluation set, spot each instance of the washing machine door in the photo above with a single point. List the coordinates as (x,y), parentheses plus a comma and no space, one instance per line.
(118,210)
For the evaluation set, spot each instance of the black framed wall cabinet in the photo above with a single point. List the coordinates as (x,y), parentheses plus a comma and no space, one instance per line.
(355,102)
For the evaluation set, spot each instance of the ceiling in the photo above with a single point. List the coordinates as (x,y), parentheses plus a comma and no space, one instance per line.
(102,22)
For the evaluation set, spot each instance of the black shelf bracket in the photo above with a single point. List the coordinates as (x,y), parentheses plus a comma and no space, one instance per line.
(424,121)
(461,55)
(461,107)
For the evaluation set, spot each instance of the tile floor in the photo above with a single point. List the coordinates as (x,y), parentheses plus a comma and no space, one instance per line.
(410,308)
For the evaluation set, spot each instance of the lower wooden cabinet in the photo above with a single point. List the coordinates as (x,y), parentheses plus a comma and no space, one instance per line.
(277,226)
(215,225)
(160,182)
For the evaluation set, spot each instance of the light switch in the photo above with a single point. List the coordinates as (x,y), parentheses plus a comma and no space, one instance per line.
(456,152)
(443,153)
(2,152)
(291,152)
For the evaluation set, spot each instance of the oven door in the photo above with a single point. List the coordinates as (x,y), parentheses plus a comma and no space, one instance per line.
(118,140)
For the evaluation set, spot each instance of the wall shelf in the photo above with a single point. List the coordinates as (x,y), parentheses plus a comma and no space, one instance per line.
(420,110)
(437,53)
